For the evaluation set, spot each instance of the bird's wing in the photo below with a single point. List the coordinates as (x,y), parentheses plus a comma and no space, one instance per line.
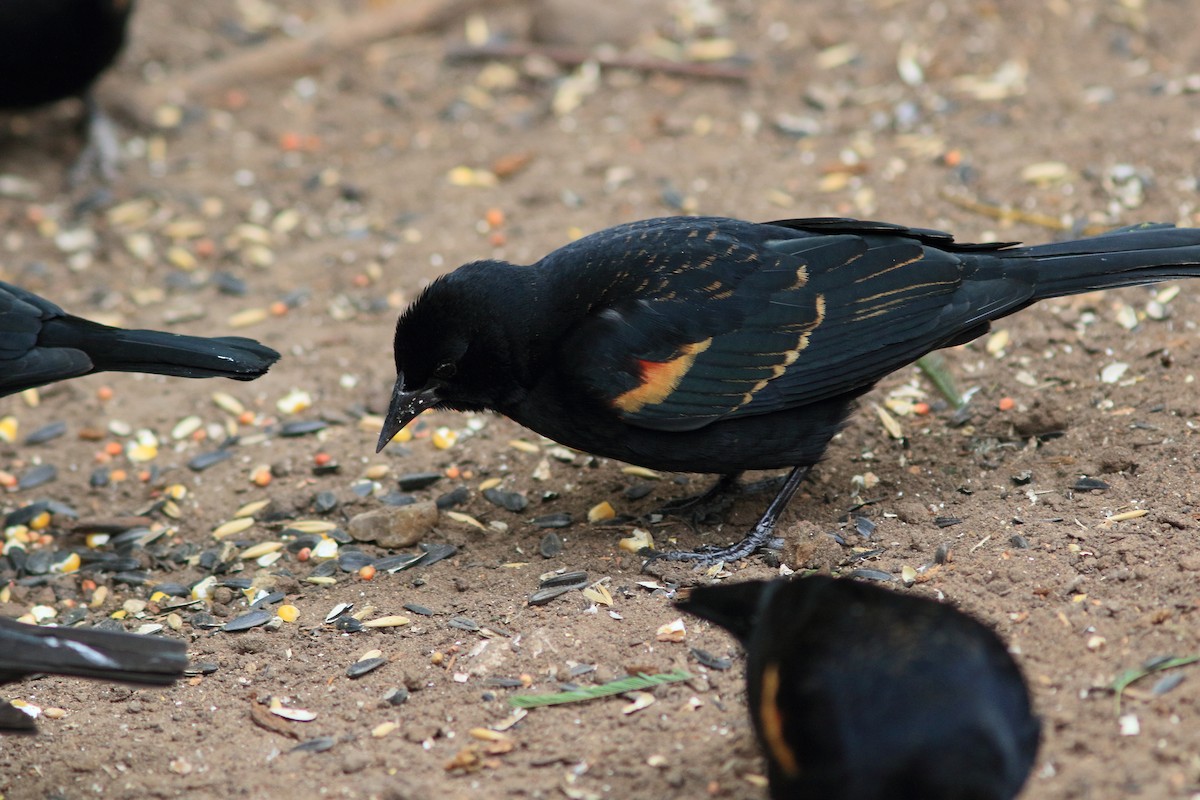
(737,319)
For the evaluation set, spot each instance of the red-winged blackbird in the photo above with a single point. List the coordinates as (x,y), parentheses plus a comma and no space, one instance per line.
(704,344)
(860,693)
(40,343)
(54,49)
(83,653)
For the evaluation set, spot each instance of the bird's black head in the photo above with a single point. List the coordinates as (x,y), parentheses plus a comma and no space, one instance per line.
(460,345)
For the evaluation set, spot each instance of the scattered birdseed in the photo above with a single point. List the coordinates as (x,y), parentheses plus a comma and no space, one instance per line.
(186,427)
(556,520)
(228,403)
(1113,372)
(260,549)
(641,700)
(294,714)
(709,660)
(637,541)
(419,609)
(392,621)
(512,501)
(37,476)
(383,729)
(418,480)
(312,526)
(642,472)
(203,461)
(233,526)
(599,594)
(45,433)
(673,631)
(601,512)
(251,509)
(251,619)
(302,427)
(362,667)
(467,519)
(551,545)
(443,438)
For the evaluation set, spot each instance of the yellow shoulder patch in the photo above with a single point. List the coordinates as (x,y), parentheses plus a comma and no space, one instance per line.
(772,720)
(659,378)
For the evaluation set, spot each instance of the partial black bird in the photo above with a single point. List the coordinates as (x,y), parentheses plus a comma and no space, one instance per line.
(54,49)
(861,693)
(705,344)
(84,653)
(40,343)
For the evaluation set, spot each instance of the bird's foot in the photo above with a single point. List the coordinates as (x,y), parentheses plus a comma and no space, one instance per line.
(102,152)
(760,537)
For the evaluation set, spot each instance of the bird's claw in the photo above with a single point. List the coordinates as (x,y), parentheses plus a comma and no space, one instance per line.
(710,554)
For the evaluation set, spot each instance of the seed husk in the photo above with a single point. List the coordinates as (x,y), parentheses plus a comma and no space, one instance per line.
(362,667)
(251,619)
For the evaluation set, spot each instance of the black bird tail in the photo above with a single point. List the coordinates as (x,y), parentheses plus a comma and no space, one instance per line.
(87,653)
(119,350)
(1124,257)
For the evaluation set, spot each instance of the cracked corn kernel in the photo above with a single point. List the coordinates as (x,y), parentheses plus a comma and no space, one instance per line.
(601,511)
(444,438)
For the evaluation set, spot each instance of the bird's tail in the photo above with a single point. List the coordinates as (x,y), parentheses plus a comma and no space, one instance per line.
(86,653)
(161,353)
(1123,257)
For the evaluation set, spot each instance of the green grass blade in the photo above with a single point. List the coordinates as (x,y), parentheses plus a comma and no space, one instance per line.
(631,684)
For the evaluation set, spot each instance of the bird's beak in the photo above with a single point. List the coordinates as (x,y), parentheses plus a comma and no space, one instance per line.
(403,409)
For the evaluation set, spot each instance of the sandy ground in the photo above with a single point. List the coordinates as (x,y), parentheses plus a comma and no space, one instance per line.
(337,193)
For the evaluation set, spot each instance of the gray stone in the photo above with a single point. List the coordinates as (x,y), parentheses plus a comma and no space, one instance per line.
(395,526)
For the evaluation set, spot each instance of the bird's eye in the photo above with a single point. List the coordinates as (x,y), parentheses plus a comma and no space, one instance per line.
(445,371)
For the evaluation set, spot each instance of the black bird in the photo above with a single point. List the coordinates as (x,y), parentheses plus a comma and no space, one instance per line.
(40,343)
(861,693)
(54,49)
(705,344)
(84,653)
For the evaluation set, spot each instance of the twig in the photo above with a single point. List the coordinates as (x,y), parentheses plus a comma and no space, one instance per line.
(1009,214)
(573,57)
(291,56)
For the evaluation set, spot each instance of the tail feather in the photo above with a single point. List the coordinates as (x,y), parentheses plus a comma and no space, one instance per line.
(158,352)
(85,653)
(1124,257)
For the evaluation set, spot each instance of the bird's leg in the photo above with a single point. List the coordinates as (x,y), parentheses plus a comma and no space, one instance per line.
(714,500)
(711,505)
(759,536)
(102,149)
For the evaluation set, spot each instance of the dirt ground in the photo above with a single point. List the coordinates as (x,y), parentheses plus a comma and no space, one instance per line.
(334,194)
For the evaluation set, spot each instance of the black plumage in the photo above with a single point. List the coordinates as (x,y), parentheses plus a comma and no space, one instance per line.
(83,653)
(40,343)
(706,344)
(51,50)
(861,693)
